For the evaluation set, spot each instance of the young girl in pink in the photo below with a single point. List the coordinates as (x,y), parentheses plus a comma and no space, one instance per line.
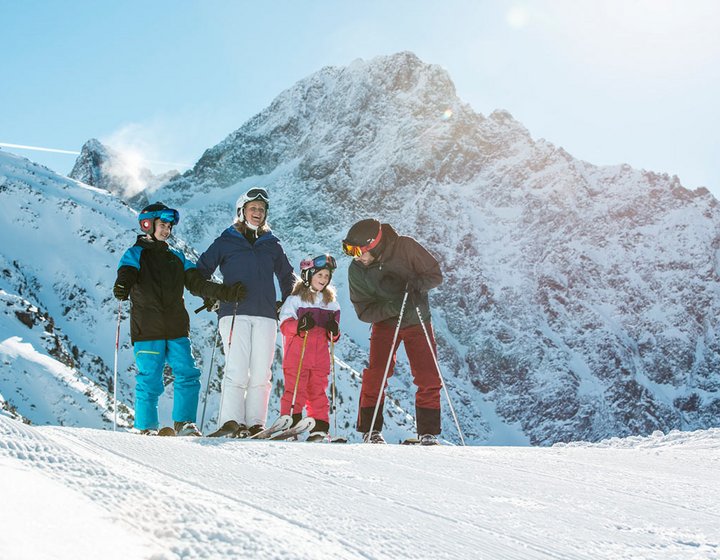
(309,319)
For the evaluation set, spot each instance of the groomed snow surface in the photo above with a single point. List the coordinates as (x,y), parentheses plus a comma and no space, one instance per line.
(76,493)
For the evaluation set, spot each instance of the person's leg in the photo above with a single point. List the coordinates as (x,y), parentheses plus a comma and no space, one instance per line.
(425,378)
(187,380)
(381,346)
(150,361)
(318,406)
(262,352)
(237,363)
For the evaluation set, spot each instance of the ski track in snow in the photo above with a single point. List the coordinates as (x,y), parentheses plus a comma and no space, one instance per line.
(200,498)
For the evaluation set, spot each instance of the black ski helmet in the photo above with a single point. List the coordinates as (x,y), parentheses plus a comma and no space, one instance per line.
(151,212)
(308,267)
(363,236)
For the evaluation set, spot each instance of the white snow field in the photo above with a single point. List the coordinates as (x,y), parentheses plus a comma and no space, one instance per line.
(76,493)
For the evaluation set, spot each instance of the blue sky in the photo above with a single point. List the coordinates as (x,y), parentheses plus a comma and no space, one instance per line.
(631,81)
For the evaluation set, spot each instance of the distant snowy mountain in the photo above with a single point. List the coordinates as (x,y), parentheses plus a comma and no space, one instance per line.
(101,166)
(579,303)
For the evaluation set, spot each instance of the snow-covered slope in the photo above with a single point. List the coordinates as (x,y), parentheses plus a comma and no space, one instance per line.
(61,243)
(580,302)
(140,497)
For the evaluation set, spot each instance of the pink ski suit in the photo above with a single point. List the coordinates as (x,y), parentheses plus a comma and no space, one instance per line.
(313,382)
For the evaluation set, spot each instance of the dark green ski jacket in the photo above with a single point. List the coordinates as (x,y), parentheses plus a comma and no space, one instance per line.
(377,290)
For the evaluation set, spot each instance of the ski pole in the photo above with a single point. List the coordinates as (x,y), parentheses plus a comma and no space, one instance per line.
(332,363)
(297,378)
(227,356)
(115,366)
(442,381)
(387,367)
(209,377)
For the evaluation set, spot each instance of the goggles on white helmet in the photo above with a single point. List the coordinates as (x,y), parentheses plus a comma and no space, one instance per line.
(256,193)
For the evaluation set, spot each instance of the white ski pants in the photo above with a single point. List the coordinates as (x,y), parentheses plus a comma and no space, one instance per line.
(248,357)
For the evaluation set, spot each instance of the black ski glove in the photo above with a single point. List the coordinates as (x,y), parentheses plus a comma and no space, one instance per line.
(121,292)
(305,323)
(415,290)
(332,327)
(236,292)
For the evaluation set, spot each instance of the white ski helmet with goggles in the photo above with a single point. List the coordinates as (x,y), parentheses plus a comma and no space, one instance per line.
(308,267)
(150,213)
(255,193)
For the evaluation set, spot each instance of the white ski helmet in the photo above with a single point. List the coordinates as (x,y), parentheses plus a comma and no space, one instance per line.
(255,193)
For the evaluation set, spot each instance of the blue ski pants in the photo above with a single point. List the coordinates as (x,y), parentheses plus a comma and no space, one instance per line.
(150,358)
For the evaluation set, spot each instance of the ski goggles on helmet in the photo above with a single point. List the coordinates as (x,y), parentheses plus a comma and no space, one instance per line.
(168,215)
(356,250)
(323,261)
(257,194)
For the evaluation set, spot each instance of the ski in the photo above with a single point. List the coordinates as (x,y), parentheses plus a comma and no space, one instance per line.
(303,425)
(319,437)
(228,429)
(166,431)
(282,423)
(416,441)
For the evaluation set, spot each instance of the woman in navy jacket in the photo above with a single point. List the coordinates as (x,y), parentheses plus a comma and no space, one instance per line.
(248,252)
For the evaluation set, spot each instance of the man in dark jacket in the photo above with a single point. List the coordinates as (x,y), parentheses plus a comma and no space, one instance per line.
(386,265)
(154,277)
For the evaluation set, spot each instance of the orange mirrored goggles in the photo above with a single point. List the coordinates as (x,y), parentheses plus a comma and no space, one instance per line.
(352,250)
(357,250)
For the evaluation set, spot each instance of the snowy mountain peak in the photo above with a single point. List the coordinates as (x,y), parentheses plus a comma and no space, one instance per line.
(577,303)
(118,172)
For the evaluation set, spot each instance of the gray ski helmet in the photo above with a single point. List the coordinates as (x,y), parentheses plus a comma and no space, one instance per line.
(255,193)
(363,236)
(150,213)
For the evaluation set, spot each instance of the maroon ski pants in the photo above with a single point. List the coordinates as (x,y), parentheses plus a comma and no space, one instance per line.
(422,366)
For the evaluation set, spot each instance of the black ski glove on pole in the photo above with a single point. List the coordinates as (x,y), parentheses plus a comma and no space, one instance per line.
(332,327)
(305,323)
(121,291)
(236,292)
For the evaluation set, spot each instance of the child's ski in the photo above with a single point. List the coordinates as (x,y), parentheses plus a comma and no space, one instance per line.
(166,431)
(303,425)
(282,423)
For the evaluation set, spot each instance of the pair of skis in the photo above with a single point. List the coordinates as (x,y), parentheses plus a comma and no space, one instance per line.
(281,429)
(278,429)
